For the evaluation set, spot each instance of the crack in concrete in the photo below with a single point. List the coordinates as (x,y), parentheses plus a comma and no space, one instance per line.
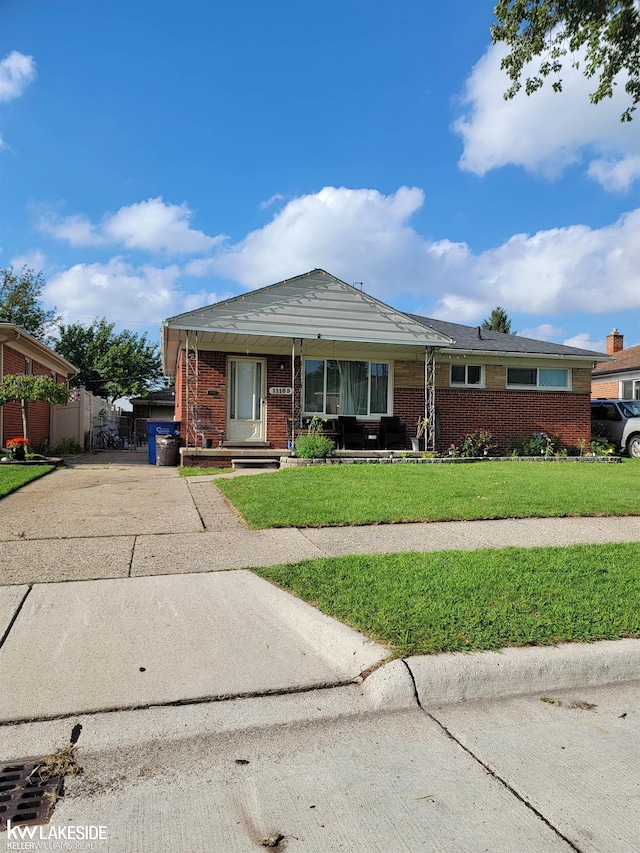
(486,767)
(15,616)
(178,703)
(133,550)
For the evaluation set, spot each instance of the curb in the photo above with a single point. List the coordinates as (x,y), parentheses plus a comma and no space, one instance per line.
(459,677)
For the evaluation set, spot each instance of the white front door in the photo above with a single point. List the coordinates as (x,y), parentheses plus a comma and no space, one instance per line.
(245,396)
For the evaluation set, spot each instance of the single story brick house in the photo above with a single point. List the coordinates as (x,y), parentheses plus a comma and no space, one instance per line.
(21,353)
(619,377)
(258,365)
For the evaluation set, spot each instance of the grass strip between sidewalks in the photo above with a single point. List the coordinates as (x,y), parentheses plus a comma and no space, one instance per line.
(336,495)
(210,471)
(445,601)
(12,477)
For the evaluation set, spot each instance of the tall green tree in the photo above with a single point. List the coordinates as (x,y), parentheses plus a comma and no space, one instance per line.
(21,303)
(24,389)
(498,321)
(110,365)
(549,30)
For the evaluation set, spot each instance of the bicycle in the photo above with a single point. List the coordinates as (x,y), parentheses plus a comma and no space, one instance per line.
(104,439)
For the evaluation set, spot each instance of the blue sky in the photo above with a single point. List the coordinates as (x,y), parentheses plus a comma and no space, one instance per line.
(159,156)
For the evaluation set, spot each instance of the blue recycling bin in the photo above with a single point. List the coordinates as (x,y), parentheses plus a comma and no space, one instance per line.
(155,428)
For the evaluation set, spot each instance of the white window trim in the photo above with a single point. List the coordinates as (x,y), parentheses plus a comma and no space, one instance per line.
(371,417)
(537,386)
(635,386)
(466,384)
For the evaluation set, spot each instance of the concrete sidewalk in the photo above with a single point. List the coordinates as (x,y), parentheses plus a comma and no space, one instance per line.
(150,608)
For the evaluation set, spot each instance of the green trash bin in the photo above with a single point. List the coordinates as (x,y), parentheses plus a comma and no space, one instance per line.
(166,450)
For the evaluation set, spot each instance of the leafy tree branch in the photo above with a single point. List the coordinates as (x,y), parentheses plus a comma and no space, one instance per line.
(550,30)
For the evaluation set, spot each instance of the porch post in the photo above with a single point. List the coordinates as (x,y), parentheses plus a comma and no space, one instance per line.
(191,384)
(296,373)
(430,398)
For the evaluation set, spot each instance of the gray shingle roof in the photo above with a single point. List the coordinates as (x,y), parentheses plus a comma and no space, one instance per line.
(473,338)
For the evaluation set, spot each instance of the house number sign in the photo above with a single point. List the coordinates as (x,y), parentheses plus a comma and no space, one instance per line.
(281,390)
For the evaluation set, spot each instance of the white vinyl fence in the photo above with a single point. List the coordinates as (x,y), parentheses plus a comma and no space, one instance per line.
(84,419)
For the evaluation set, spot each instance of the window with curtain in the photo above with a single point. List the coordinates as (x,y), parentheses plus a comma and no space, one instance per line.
(340,387)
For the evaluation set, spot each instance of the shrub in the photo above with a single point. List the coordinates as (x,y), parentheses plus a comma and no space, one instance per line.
(67,447)
(601,446)
(479,443)
(313,446)
(537,444)
(39,448)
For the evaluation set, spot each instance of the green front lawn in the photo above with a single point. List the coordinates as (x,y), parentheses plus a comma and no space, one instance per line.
(368,494)
(12,477)
(469,600)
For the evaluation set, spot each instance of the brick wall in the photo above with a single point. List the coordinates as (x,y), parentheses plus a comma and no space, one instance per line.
(605,389)
(510,414)
(279,408)
(38,413)
(506,414)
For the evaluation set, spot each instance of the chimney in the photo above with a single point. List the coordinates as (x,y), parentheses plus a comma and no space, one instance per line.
(615,342)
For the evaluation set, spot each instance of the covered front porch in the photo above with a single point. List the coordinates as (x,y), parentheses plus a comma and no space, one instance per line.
(252,371)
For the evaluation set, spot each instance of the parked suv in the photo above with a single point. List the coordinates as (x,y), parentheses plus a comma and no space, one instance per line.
(619,421)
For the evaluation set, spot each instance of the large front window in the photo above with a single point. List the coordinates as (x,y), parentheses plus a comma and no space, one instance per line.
(337,387)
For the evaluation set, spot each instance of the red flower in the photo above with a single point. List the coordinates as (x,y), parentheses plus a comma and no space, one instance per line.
(17,442)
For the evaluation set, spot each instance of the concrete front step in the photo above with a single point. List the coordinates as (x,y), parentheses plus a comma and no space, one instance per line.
(253,462)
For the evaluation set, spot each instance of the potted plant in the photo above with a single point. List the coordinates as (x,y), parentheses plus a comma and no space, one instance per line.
(18,447)
(421,430)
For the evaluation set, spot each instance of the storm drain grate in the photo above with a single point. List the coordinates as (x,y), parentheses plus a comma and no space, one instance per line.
(25,797)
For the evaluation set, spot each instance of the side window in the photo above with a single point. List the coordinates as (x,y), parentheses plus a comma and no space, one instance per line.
(465,374)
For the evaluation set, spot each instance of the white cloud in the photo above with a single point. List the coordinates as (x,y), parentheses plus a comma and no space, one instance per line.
(583,341)
(34,260)
(149,225)
(76,230)
(615,175)
(203,298)
(562,269)
(457,309)
(362,235)
(116,289)
(156,226)
(356,234)
(16,72)
(547,131)
(543,332)
(271,200)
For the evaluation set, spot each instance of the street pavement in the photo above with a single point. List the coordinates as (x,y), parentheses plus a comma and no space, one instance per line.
(218,712)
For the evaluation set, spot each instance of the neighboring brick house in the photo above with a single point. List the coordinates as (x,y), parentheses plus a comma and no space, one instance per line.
(21,353)
(314,344)
(618,378)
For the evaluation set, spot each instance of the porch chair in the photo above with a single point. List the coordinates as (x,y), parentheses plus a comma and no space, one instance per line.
(392,432)
(204,426)
(350,432)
